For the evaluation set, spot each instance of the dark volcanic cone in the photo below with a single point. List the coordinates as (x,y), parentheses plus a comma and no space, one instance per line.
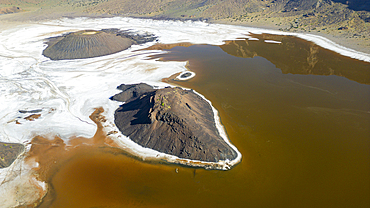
(85,44)
(9,152)
(171,120)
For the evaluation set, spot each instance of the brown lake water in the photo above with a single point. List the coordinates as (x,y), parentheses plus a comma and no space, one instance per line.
(299,114)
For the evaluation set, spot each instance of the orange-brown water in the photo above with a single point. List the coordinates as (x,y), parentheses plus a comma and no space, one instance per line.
(299,114)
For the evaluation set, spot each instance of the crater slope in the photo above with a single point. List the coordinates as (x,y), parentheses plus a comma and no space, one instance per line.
(173,121)
(92,43)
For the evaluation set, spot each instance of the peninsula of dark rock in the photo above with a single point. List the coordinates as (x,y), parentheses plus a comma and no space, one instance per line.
(9,153)
(171,120)
(92,43)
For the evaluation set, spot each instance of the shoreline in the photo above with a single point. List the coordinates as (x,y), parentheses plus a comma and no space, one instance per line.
(319,40)
(144,153)
(356,44)
(231,32)
(340,39)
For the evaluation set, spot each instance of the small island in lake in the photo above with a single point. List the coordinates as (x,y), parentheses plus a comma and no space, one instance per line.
(173,121)
(92,43)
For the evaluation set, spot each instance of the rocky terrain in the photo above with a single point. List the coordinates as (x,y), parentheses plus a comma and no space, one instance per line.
(92,43)
(171,120)
(9,10)
(9,152)
(346,22)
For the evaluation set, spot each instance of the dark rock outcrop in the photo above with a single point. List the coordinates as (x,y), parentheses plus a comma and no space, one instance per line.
(299,5)
(357,5)
(92,43)
(171,120)
(9,152)
(9,10)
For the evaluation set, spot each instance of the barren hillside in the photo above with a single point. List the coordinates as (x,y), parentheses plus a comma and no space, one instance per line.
(347,19)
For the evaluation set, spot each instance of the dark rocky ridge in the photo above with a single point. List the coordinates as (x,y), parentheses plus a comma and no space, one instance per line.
(92,43)
(186,75)
(171,120)
(9,10)
(9,152)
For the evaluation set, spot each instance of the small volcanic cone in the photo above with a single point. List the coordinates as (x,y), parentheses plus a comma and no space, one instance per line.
(171,120)
(85,44)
